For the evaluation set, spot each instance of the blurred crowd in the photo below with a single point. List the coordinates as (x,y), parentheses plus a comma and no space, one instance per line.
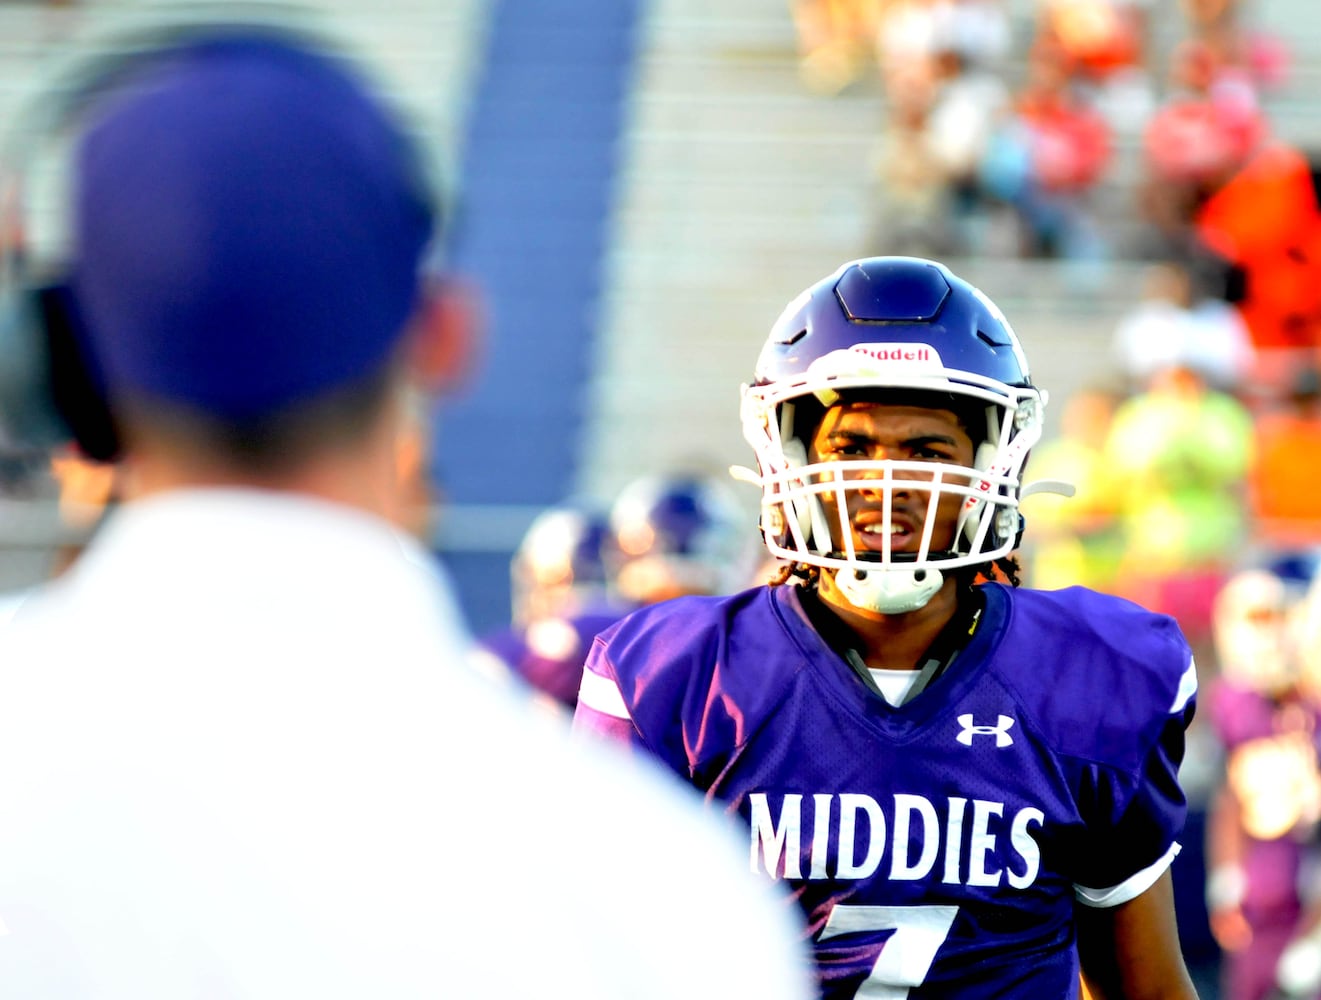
(1038,128)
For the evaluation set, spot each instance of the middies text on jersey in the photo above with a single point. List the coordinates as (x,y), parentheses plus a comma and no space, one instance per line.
(972,843)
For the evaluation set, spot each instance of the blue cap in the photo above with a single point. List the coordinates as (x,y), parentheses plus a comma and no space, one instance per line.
(249,228)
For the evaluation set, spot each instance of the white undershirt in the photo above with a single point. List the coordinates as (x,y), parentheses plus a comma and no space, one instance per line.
(894,684)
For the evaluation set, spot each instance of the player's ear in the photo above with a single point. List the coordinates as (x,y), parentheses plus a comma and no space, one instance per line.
(446,334)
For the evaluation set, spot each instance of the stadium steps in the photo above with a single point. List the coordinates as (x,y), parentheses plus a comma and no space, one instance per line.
(538,186)
(741,187)
(538,182)
(738,188)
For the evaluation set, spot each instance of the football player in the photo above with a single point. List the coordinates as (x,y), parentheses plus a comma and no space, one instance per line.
(561,597)
(967,785)
(579,569)
(1264,813)
(679,533)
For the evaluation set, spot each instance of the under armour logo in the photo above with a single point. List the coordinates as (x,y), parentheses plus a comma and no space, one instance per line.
(1000,730)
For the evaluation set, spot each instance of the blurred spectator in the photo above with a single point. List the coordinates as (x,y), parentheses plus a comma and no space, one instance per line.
(912,198)
(1267,806)
(978,30)
(1174,320)
(1205,129)
(1104,42)
(1100,38)
(1179,453)
(1264,221)
(1221,25)
(1282,492)
(970,102)
(1048,157)
(1076,539)
(944,98)
(834,39)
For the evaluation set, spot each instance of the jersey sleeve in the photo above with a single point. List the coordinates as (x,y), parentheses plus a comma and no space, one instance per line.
(1134,818)
(647,676)
(1121,694)
(684,680)
(601,708)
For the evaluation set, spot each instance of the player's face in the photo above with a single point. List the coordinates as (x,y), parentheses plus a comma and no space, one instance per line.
(869,431)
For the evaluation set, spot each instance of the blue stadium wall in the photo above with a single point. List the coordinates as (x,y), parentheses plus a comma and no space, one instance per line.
(536,192)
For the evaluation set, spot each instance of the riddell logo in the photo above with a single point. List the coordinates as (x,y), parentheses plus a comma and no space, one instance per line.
(897,352)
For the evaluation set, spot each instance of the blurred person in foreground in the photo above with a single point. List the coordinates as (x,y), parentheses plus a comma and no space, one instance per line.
(968,785)
(246,753)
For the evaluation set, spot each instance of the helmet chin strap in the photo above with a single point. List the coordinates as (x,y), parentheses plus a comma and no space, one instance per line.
(889,591)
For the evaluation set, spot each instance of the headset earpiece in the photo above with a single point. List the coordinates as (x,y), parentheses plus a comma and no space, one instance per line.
(75,387)
(49,394)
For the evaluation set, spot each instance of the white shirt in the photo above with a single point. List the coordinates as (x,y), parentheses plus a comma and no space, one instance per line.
(242,756)
(1209,337)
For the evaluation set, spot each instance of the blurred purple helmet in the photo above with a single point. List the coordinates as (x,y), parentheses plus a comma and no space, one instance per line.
(679,534)
(562,563)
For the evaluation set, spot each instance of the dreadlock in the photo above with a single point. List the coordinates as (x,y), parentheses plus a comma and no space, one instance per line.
(1007,567)
(794,570)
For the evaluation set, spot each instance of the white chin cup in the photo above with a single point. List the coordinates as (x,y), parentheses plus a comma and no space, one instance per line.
(889,591)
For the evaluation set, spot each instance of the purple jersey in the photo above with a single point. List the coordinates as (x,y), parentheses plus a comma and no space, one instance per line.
(549,653)
(945,841)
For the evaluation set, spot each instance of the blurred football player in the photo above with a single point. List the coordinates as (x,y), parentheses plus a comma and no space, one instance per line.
(561,597)
(563,564)
(1266,808)
(579,570)
(1298,971)
(959,780)
(679,533)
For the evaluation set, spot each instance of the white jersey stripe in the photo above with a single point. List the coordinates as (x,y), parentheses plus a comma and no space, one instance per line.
(1130,888)
(1187,687)
(601,694)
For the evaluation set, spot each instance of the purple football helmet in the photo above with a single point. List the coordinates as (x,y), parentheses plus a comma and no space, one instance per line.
(885,324)
(562,564)
(679,534)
